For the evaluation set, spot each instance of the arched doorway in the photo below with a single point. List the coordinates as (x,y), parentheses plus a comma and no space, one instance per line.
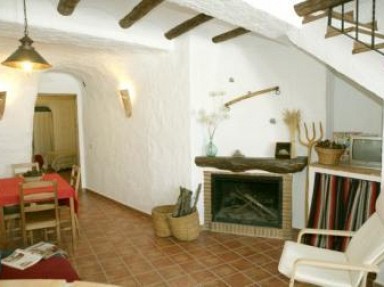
(60,93)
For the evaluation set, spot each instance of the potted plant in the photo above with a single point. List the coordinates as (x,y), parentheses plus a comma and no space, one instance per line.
(329,152)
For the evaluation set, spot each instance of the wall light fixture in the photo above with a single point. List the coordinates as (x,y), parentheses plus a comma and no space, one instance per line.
(2,103)
(126,102)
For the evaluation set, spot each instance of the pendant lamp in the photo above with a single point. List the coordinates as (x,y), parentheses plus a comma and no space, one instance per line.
(26,57)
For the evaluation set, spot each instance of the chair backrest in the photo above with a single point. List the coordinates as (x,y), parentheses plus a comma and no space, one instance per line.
(367,245)
(20,168)
(75,178)
(38,196)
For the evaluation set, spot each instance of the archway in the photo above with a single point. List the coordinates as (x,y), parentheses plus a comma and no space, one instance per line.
(61,93)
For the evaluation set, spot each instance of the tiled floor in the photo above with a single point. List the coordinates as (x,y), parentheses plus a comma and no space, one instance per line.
(118,245)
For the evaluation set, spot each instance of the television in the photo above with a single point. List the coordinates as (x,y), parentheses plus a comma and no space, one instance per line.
(365,151)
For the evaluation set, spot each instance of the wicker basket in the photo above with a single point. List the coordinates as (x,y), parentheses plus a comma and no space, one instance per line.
(185,228)
(329,156)
(160,220)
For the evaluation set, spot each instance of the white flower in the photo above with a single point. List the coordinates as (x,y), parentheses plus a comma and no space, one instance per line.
(212,120)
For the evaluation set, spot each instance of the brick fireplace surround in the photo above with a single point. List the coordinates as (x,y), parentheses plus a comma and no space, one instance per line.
(285,232)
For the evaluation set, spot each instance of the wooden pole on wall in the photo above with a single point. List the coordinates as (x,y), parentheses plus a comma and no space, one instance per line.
(250,95)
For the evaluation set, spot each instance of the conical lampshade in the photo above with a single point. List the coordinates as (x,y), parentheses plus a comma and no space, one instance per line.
(26,57)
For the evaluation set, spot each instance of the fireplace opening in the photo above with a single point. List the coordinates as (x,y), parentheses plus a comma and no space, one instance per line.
(247,200)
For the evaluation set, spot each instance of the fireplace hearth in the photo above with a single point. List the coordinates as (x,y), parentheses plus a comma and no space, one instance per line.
(253,204)
(248,200)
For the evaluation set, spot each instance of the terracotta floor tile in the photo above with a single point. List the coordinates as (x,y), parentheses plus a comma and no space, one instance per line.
(148,278)
(242,264)
(223,270)
(273,282)
(214,283)
(257,274)
(237,280)
(204,276)
(125,282)
(171,272)
(210,261)
(184,281)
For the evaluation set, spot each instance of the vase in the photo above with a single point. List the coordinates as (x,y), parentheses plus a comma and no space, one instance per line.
(211,149)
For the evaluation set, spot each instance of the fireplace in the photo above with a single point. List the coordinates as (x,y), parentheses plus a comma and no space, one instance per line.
(254,204)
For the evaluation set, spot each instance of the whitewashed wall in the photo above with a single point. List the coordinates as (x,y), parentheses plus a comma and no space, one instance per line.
(139,161)
(255,64)
(347,101)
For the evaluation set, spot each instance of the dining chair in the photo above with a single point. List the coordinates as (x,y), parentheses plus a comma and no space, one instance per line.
(12,212)
(39,208)
(64,207)
(324,267)
(20,168)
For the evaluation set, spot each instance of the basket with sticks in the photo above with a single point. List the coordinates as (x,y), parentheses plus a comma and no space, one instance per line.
(184,221)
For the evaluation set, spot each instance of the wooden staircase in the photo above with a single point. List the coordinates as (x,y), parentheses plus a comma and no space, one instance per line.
(345,18)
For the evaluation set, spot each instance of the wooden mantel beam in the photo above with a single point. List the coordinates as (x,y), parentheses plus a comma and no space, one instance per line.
(138,12)
(187,26)
(310,6)
(229,35)
(66,7)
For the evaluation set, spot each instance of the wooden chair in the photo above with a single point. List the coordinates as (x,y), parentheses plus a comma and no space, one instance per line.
(39,208)
(65,212)
(20,168)
(12,212)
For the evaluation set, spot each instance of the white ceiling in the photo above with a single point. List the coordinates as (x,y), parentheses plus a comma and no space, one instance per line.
(97,20)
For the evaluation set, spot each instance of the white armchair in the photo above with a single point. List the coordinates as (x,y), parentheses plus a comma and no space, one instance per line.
(331,268)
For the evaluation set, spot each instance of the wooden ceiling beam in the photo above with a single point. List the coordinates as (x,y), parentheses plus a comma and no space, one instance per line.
(138,12)
(229,35)
(187,26)
(310,6)
(66,7)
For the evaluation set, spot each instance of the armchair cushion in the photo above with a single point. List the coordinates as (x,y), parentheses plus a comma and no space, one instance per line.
(332,278)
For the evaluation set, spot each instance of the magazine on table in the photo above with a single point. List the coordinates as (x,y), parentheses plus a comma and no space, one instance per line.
(21,259)
(24,258)
(45,249)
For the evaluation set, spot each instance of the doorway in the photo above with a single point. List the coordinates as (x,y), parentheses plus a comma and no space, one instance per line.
(55,131)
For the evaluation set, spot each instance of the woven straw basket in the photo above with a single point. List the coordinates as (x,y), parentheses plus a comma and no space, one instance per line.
(329,156)
(160,220)
(185,228)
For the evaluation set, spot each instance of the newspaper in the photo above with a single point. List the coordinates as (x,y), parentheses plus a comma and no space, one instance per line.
(45,250)
(21,259)
(24,258)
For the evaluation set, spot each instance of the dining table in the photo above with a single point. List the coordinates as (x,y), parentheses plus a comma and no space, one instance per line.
(9,195)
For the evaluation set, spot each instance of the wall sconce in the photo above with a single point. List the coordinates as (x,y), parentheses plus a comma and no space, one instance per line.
(2,103)
(126,102)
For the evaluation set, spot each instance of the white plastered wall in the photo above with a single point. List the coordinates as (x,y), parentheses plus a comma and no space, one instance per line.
(138,161)
(254,64)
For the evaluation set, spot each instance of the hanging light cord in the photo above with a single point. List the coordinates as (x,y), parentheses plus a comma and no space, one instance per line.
(25,19)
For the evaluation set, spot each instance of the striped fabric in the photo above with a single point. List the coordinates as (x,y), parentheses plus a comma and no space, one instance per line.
(340,203)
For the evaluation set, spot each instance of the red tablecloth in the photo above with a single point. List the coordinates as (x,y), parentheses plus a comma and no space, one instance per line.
(52,268)
(9,189)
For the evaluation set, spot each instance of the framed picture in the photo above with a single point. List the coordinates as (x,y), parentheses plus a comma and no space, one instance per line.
(283,150)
